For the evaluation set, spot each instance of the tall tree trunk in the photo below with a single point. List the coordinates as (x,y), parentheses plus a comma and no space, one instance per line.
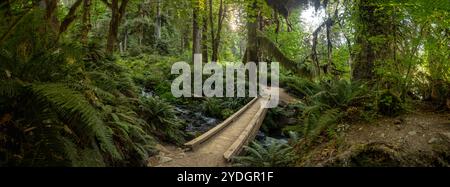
(113,28)
(86,22)
(125,40)
(252,40)
(205,37)
(158,20)
(329,48)
(196,31)
(217,37)
(117,13)
(141,26)
(50,11)
(70,17)
(6,8)
(213,35)
(371,24)
(277,22)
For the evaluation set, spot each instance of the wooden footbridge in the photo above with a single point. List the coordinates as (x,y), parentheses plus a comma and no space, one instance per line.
(218,146)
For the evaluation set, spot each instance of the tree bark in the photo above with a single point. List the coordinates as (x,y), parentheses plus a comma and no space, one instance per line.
(86,22)
(217,38)
(205,37)
(252,40)
(329,48)
(117,13)
(50,10)
(158,20)
(371,24)
(70,17)
(196,31)
(211,23)
(277,22)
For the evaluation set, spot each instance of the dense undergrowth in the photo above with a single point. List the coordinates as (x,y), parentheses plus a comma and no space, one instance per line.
(63,104)
(325,110)
(72,94)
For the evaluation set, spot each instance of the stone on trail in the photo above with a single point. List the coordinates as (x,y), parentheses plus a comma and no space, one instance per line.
(412,133)
(433,140)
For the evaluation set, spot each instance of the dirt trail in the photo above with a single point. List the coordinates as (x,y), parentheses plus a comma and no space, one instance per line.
(416,139)
(286,98)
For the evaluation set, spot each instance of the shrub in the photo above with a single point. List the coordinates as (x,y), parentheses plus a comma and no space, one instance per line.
(390,104)
(275,154)
(212,107)
(162,119)
(325,105)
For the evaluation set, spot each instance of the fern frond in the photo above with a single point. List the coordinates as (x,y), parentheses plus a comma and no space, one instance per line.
(275,154)
(10,88)
(73,106)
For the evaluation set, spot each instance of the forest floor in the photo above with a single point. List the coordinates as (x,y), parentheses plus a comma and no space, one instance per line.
(420,138)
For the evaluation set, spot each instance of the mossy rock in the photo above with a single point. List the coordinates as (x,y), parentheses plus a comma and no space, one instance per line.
(376,154)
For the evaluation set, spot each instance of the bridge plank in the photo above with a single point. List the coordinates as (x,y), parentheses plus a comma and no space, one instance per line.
(193,144)
(247,135)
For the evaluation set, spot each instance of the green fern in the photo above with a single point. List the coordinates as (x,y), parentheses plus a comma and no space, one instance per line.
(162,119)
(325,104)
(70,104)
(66,105)
(274,155)
(10,88)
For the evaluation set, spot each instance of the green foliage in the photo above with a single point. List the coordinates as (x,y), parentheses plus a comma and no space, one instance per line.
(390,104)
(276,154)
(212,107)
(53,109)
(162,120)
(339,94)
(72,106)
(64,105)
(298,86)
(272,119)
(151,72)
(69,122)
(222,108)
(326,104)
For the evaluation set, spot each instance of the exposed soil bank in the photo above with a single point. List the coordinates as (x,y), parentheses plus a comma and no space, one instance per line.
(421,138)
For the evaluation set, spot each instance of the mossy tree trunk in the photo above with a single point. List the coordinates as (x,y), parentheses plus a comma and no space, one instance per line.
(216,36)
(86,21)
(372,39)
(252,29)
(117,12)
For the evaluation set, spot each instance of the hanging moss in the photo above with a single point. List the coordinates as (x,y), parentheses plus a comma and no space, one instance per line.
(271,49)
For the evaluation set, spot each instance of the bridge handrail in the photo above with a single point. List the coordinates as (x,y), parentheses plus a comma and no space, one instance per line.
(248,134)
(193,144)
